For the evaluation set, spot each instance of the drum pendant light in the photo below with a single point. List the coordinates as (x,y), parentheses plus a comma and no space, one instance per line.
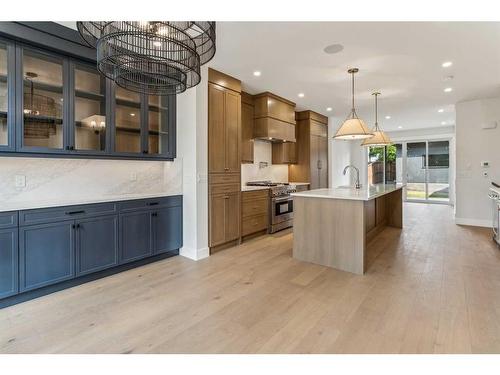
(379,137)
(353,127)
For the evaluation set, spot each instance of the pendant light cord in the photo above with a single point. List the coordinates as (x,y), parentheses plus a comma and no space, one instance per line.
(353,110)
(376,110)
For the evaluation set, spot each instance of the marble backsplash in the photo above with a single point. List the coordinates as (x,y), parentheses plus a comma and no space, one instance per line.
(254,172)
(54,181)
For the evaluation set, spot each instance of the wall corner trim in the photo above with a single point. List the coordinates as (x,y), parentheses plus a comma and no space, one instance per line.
(194,254)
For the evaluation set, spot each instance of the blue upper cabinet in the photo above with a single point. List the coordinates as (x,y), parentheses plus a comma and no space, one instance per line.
(52,103)
(7,99)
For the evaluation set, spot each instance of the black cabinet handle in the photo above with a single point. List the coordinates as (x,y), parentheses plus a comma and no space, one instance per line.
(153,203)
(77,226)
(145,151)
(73,226)
(71,147)
(155,214)
(75,212)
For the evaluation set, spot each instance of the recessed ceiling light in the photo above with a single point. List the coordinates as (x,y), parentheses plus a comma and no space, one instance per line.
(300,95)
(400,127)
(333,48)
(329,109)
(132,114)
(446,64)
(387,117)
(448,89)
(257,73)
(440,110)
(443,122)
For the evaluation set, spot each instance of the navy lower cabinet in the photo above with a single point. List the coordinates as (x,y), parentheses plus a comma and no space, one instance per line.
(46,254)
(9,262)
(96,244)
(49,249)
(166,229)
(135,236)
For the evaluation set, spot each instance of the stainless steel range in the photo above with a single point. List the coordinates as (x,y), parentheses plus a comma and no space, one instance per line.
(281,204)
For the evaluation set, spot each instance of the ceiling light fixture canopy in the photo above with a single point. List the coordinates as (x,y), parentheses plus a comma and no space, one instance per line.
(353,127)
(151,57)
(379,137)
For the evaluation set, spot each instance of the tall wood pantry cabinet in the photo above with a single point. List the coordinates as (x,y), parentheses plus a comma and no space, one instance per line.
(224,179)
(311,150)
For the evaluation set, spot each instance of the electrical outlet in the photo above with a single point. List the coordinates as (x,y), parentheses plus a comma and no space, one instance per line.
(133,176)
(20,181)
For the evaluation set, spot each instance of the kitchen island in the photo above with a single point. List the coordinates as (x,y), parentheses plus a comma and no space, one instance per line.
(332,226)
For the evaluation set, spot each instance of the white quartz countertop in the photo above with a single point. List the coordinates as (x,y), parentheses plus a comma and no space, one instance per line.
(350,193)
(15,206)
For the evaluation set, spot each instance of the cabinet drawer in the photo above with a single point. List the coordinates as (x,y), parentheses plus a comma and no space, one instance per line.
(255,207)
(48,215)
(8,219)
(150,203)
(225,178)
(225,188)
(255,194)
(254,224)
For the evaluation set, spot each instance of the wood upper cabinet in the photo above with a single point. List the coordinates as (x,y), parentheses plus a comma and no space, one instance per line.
(247,115)
(224,126)
(311,150)
(216,129)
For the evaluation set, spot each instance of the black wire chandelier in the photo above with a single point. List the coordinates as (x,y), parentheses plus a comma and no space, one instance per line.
(151,57)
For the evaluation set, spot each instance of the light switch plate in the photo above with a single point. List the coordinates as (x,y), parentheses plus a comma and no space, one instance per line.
(20,181)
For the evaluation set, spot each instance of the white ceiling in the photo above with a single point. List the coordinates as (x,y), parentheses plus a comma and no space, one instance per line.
(402,60)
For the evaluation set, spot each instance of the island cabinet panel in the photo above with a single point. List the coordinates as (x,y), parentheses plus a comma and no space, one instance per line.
(97,244)
(9,262)
(47,254)
(135,238)
(166,229)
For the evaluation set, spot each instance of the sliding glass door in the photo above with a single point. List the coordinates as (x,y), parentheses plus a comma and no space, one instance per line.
(424,167)
(427,168)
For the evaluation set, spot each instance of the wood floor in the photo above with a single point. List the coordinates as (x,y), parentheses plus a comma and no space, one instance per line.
(432,288)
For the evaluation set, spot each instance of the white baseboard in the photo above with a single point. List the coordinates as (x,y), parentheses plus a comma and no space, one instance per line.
(194,254)
(473,222)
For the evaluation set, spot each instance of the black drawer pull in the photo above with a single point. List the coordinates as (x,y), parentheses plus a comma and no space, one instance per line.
(153,203)
(75,212)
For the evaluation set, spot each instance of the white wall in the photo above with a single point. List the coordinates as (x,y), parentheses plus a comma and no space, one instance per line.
(192,148)
(474,145)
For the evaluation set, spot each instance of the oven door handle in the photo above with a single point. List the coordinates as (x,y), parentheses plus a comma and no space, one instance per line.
(282,199)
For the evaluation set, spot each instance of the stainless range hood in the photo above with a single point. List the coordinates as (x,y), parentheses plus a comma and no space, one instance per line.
(274,118)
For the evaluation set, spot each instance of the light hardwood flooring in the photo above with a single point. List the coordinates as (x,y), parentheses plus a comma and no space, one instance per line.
(433,287)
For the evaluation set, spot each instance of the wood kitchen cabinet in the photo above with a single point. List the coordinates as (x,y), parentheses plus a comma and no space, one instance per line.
(284,153)
(255,212)
(311,150)
(224,126)
(247,114)
(224,218)
(224,159)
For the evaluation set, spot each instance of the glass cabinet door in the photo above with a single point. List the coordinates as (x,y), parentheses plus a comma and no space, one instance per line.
(127,121)
(42,101)
(89,109)
(6,97)
(158,125)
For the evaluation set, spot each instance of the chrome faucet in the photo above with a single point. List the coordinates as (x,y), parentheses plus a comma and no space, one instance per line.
(357,185)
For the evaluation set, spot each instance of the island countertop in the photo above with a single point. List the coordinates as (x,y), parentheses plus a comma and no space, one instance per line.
(350,193)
